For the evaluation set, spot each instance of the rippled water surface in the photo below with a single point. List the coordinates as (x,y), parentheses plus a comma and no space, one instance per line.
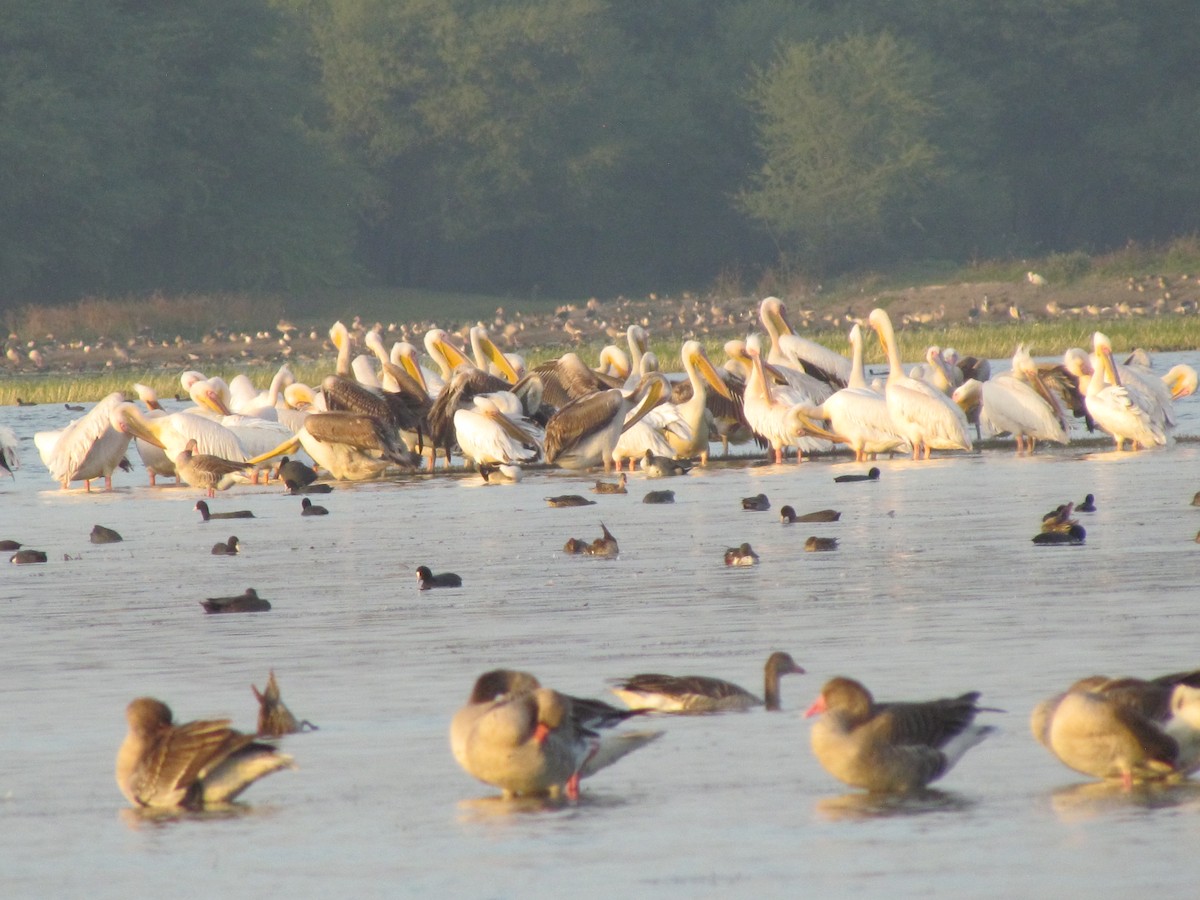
(936,589)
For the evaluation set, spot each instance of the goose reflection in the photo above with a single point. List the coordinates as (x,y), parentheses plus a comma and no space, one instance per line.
(1099,799)
(861,807)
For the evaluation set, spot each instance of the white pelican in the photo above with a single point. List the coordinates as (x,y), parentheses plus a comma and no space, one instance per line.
(489,358)
(90,447)
(773,411)
(1121,410)
(694,409)
(569,378)
(924,415)
(350,446)
(154,458)
(639,344)
(244,400)
(488,436)
(406,355)
(9,460)
(859,414)
(1019,404)
(614,361)
(584,433)
(173,431)
(791,350)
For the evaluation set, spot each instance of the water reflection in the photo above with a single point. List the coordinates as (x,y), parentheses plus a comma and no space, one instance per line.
(1098,799)
(859,806)
(143,817)
(497,808)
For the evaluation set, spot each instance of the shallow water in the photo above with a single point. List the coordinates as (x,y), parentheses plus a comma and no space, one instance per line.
(935,590)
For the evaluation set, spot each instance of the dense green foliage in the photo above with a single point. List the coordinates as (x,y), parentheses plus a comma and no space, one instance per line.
(575,146)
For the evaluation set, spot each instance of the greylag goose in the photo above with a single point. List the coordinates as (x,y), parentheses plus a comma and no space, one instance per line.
(191,765)
(703,694)
(1126,728)
(891,747)
(529,740)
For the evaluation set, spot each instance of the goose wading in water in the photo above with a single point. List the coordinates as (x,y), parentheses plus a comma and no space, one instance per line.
(890,747)
(702,693)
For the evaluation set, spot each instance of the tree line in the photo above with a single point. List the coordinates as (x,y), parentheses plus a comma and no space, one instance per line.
(578,146)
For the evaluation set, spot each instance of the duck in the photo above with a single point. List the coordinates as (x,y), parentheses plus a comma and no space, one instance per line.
(565,500)
(741,556)
(102,535)
(609,487)
(872,475)
(243,603)
(657,466)
(10,545)
(427,580)
(891,747)
(757,503)
(529,740)
(230,547)
(308,508)
(1059,518)
(1073,536)
(1130,729)
(161,764)
(702,693)
(605,546)
(315,488)
(659,497)
(820,544)
(1088,505)
(274,718)
(27,556)
(206,515)
(788,516)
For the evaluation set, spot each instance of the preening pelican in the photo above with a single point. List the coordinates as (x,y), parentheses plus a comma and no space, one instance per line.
(1018,403)
(489,358)
(924,415)
(172,432)
(775,410)
(90,447)
(351,447)
(1121,410)
(791,350)
(569,378)
(154,458)
(488,436)
(584,433)
(859,414)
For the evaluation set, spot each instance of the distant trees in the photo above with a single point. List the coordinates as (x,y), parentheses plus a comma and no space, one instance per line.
(577,145)
(844,129)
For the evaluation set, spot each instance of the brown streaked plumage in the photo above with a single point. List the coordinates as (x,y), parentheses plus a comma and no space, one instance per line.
(191,765)
(585,432)
(569,378)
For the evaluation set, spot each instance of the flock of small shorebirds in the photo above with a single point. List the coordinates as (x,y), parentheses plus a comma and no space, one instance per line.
(377,414)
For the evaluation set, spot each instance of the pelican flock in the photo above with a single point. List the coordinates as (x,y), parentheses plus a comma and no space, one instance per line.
(375,415)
